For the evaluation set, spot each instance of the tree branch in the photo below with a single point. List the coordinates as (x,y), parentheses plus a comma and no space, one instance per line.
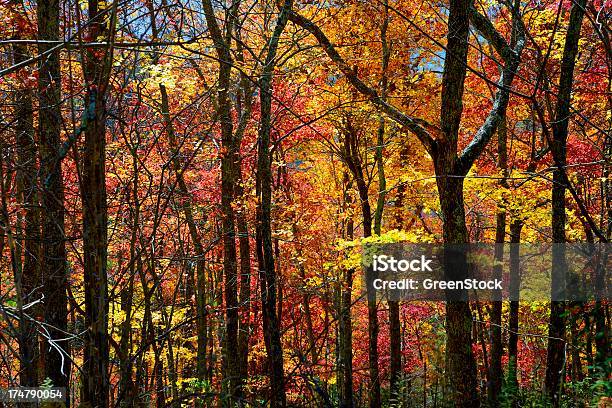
(414,125)
(502,96)
(484,26)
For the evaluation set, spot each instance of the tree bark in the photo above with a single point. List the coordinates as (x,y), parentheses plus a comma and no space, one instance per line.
(513,318)
(228,178)
(127,387)
(27,277)
(354,163)
(395,342)
(245,283)
(95,218)
(345,329)
(265,254)
(555,360)
(244,107)
(495,364)
(460,361)
(54,265)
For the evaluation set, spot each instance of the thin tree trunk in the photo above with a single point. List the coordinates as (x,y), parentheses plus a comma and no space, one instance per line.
(556,330)
(245,283)
(395,341)
(602,347)
(345,326)
(27,279)
(228,178)
(187,209)
(54,266)
(513,319)
(265,254)
(244,107)
(354,163)
(95,218)
(495,364)
(312,345)
(127,388)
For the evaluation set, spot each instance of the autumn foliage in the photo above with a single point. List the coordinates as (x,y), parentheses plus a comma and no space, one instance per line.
(187,187)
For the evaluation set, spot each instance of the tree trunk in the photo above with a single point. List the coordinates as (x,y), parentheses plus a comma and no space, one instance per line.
(27,279)
(230,267)
(354,163)
(312,344)
(54,266)
(127,387)
(345,329)
(228,178)
(460,361)
(395,341)
(95,254)
(555,361)
(95,218)
(495,364)
(602,348)
(461,365)
(244,107)
(265,254)
(513,319)
(245,283)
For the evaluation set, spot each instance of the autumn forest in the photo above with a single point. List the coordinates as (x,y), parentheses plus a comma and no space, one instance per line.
(187,187)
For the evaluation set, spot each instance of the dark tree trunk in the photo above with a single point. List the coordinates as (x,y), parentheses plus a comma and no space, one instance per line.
(244,107)
(127,387)
(395,341)
(602,329)
(230,267)
(27,280)
(556,330)
(245,284)
(95,383)
(306,298)
(353,161)
(265,254)
(95,218)
(513,319)
(54,266)
(461,365)
(460,361)
(228,178)
(395,347)
(495,364)
(345,330)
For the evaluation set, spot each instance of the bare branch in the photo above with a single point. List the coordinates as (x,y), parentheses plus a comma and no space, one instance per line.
(486,29)
(414,125)
(502,96)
